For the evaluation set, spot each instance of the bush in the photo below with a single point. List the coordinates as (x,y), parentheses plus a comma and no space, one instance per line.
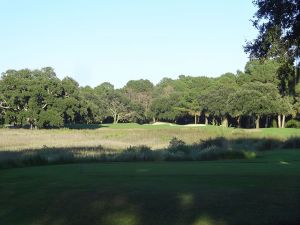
(267,144)
(138,149)
(215,149)
(136,153)
(249,154)
(219,142)
(274,123)
(293,124)
(292,143)
(176,145)
(215,153)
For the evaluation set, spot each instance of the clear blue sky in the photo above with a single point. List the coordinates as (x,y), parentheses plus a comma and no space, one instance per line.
(121,40)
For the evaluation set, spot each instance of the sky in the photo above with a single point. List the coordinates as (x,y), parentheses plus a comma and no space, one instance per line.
(95,41)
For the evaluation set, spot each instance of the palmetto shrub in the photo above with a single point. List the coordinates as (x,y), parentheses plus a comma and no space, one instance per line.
(211,149)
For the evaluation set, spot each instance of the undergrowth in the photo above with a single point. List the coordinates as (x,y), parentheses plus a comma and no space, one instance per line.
(218,148)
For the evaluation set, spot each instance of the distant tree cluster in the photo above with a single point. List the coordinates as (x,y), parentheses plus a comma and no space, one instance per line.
(266,94)
(39,99)
(261,96)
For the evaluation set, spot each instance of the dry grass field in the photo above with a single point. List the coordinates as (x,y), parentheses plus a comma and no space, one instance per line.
(17,139)
(124,135)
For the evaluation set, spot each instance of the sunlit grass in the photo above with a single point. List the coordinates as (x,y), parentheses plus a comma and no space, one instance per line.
(121,136)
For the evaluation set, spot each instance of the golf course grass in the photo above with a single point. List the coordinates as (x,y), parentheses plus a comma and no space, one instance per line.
(261,191)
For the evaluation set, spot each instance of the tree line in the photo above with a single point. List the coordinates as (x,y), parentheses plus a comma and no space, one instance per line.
(266,94)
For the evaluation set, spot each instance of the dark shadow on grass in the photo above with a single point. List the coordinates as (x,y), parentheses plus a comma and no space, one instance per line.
(137,199)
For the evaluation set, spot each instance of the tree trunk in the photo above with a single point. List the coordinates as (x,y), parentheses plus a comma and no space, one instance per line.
(283,121)
(115,118)
(257,122)
(267,122)
(279,121)
(206,120)
(153,119)
(249,121)
(239,122)
(225,121)
(195,118)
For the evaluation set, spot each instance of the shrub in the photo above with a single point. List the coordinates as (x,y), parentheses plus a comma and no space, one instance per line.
(219,142)
(267,144)
(176,145)
(274,124)
(175,156)
(136,153)
(34,160)
(177,151)
(249,154)
(293,124)
(292,143)
(140,149)
(215,153)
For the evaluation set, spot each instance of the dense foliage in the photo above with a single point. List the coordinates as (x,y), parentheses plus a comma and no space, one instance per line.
(278,23)
(266,94)
(253,98)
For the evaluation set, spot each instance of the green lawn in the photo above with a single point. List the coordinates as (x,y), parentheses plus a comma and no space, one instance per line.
(262,191)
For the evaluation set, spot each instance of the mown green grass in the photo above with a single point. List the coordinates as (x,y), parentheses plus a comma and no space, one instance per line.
(260,191)
(275,132)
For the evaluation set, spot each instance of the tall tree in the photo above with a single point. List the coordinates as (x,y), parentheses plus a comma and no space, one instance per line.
(140,93)
(193,89)
(39,98)
(217,96)
(254,99)
(278,23)
(116,104)
(166,108)
(95,109)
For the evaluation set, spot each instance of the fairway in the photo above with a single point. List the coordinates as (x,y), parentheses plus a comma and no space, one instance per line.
(261,191)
